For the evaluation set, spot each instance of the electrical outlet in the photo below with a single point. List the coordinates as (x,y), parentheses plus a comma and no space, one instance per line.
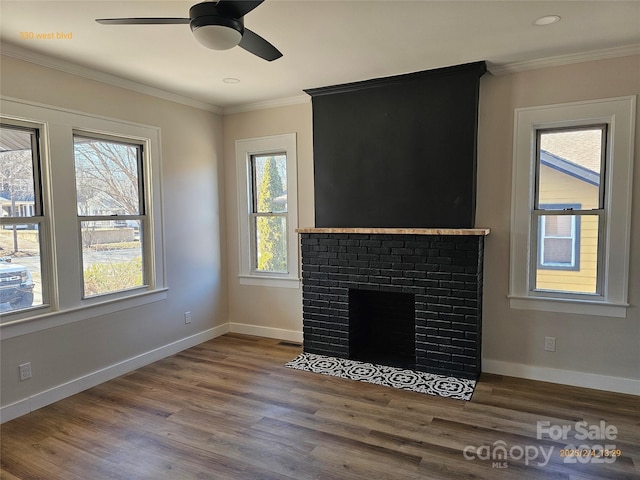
(550,344)
(187,317)
(25,371)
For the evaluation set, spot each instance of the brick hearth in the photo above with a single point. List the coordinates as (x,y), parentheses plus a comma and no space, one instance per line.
(442,269)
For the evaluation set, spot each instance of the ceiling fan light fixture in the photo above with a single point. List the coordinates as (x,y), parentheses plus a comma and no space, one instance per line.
(217,37)
(218,25)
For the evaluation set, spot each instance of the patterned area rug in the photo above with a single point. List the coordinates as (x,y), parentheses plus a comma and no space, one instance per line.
(421,382)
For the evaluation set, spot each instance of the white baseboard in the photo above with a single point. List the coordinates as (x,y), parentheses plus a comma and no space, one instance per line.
(269,332)
(565,377)
(47,397)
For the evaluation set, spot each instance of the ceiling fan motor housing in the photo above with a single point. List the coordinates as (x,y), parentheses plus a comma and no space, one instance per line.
(218,26)
(213,29)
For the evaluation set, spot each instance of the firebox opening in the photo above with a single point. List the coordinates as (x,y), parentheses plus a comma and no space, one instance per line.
(382,327)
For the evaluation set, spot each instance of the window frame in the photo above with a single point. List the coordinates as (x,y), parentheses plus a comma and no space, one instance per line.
(246,149)
(619,116)
(142,216)
(63,247)
(40,217)
(254,214)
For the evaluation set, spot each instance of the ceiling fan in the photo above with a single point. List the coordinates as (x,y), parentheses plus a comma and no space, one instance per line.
(216,25)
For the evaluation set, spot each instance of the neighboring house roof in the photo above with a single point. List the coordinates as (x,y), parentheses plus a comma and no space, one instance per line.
(12,140)
(573,169)
(582,147)
(281,200)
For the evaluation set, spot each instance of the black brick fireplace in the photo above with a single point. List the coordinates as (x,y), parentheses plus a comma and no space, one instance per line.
(393,272)
(402,297)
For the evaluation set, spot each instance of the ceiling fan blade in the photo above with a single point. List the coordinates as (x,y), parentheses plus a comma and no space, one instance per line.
(142,21)
(254,43)
(237,8)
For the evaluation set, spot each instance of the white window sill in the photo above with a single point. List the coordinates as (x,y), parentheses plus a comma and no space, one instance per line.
(36,323)
(269,281)
(564,305)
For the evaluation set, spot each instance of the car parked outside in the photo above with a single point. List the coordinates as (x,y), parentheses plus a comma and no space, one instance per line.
(16,286)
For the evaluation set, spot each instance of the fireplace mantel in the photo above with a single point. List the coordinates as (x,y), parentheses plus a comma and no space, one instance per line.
(400,231)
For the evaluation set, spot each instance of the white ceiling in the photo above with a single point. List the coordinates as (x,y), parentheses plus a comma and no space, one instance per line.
(325,42)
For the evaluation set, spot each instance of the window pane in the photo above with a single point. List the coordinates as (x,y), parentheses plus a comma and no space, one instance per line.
(111,256)
(107,177)
(17,192)
(570,167)
(20,268)
(558,243)
(20,251)
(269,185)
(568,263)
(271,244)
(558,225)
(558,251)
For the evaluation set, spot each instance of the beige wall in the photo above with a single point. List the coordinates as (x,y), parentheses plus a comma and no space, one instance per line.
(513,340)
(199,187)
(279,310)
(193,218)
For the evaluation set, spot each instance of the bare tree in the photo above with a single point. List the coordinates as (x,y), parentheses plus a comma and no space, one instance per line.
(106,177)
(16,182)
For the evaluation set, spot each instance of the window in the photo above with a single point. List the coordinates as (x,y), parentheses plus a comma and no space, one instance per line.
(559,239)
(571,204)
(93,248)
(269,213)
(569,168)
(267,198)
(111,213)
(22,218)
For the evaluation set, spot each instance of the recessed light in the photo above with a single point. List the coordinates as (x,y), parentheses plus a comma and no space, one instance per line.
(547,20)
(231,80)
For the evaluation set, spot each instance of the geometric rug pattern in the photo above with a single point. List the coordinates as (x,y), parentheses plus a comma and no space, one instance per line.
(421,382)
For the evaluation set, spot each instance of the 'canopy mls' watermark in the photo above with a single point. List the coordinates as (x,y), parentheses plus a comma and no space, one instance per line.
(499,452)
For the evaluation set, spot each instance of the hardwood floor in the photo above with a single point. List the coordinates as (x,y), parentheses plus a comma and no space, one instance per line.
(229,409)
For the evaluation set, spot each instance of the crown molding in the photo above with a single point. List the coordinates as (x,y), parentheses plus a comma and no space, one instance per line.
(559,60)
(281,102)
(30,56)
(475,68)
(13,51)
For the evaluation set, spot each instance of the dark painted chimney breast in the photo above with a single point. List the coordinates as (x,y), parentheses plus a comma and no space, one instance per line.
(398,151)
